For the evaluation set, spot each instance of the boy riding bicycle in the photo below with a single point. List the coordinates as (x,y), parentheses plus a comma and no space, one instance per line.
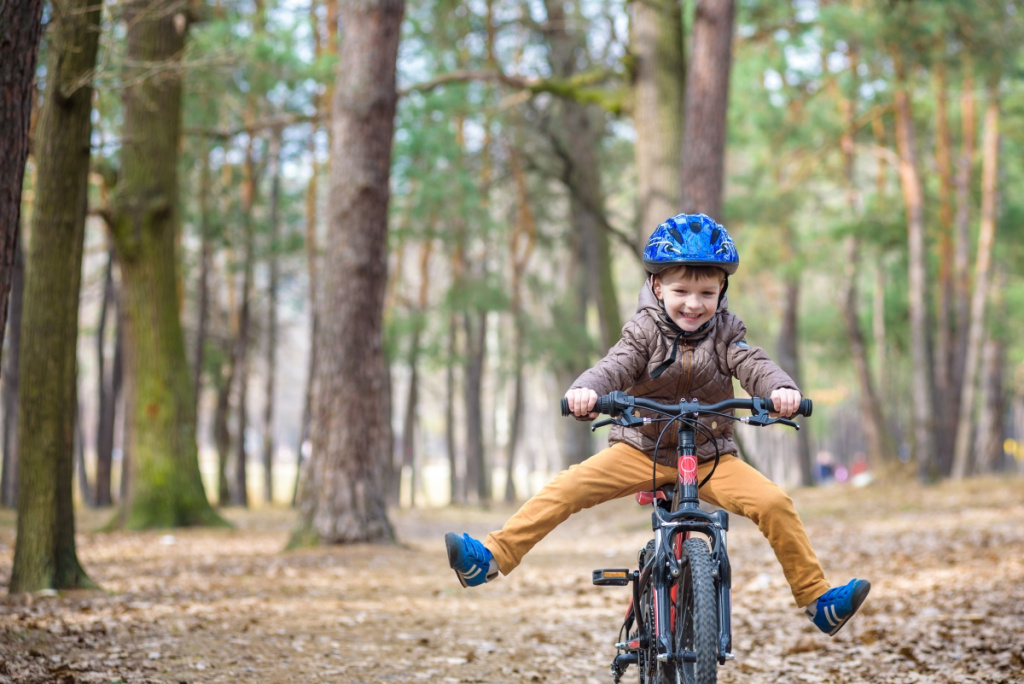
(682,343)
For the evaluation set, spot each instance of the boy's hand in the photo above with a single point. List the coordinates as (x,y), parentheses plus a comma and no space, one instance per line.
(786,402)
(581,402)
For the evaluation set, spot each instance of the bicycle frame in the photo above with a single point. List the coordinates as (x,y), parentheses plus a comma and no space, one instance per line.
(686,518)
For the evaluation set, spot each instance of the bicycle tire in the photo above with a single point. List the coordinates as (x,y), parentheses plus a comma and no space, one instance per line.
(647,665)
(695,619)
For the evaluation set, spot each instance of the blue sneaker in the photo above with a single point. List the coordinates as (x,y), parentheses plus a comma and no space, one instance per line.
(470,560)
(837,605)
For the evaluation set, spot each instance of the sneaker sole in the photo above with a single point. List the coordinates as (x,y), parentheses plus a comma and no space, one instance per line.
(856,600)
(451,543)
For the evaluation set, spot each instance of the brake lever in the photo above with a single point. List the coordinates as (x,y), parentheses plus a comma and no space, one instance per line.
(763,419)
(623,419)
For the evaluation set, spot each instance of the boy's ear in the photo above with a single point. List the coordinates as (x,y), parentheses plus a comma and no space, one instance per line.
(656,286)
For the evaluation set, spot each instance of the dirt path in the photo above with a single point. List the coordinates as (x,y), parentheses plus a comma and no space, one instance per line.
(947,604)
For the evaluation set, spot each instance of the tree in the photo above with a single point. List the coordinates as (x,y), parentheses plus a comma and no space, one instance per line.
(19,42)
(9,387)
(707,95)
(45,555)
(656,45)
(913,198)
(166,489)
(109,386)
(982,275)
(343,497)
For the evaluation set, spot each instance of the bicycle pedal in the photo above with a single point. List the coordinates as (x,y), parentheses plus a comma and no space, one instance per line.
(612,578)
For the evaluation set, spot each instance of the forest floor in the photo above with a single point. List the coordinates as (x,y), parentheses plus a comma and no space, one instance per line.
(947,602)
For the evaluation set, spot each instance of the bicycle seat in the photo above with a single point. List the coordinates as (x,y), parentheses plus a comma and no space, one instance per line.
(661,494)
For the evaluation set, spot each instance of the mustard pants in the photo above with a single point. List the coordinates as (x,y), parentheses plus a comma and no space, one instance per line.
(621,470)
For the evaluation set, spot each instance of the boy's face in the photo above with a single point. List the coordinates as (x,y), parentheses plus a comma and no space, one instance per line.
(690,302)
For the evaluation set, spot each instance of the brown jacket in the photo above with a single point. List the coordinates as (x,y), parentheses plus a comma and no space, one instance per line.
(705,363)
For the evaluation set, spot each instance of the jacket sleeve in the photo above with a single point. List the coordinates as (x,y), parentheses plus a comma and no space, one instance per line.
(758,374)
(621,367)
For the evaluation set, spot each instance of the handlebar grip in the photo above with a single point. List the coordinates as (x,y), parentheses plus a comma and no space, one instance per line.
(605,404)
(805,408)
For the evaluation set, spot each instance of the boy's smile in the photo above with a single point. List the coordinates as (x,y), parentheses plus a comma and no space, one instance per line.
(689,302)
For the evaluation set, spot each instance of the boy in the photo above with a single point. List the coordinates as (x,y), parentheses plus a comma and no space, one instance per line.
(683,342)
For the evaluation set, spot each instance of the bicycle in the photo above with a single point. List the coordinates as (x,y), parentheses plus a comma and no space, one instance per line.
(684,578)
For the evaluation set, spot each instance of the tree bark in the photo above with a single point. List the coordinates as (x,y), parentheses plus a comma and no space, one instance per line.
(312,250)
(945,333)
(85,490)
(707,98)
(343,497)
(576,142)
(409,455)
(456,488)
(45,556)
(166,489)
(20,28)
(107,389)
(477,470)
(962,462)
(913,197)
(240,492)
(9,480)
(658,98)
(523,242)
(876,434)
(961,257)
(203,294)
(789,361)
(268,393)
(989,443)
(222,431)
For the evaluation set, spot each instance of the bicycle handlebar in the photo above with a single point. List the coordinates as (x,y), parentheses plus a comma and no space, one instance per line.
(617,402)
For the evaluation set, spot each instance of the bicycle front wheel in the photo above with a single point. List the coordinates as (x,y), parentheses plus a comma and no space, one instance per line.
(695,618)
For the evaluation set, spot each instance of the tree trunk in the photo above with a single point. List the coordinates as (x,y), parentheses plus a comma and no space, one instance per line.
(222,431)
(523,242)
(961,257)
(658,98)
(107,391)
(268,393)
(20,27)
(203,295)
(85,490)
(312,261)
(477,470)
(240,492)
(9,481)
(409,455)
(789,361)
(45,556)
(962,462)
(989,443)
(707,97)
(913,197)
(166,489)
(343,497)
(876,434)
(945,334)
(576,141)
(456,488)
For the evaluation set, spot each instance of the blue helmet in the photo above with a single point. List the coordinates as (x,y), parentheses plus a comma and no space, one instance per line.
(691,240)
